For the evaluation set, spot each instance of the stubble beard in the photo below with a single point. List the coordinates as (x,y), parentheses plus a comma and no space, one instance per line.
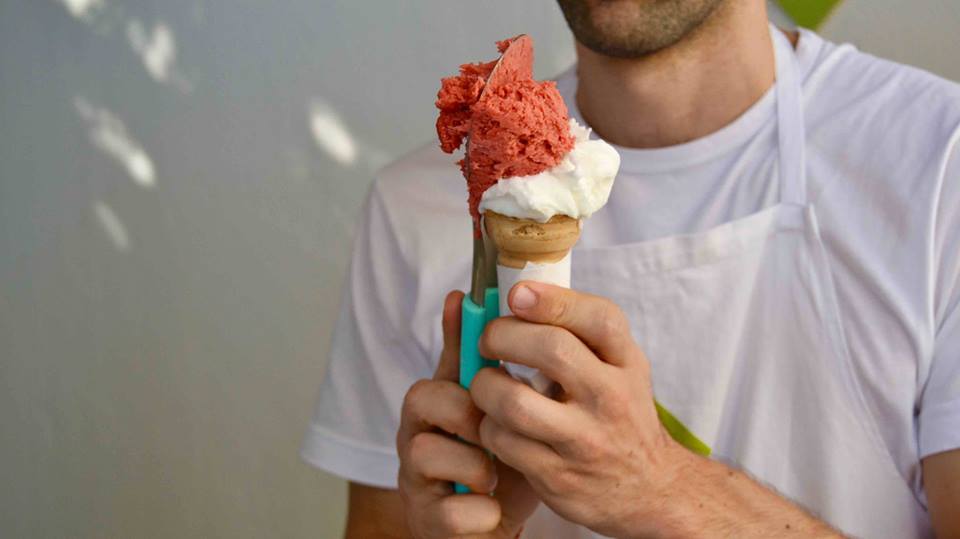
(634,28)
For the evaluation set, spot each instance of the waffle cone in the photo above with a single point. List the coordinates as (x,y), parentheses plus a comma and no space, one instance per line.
(520,241)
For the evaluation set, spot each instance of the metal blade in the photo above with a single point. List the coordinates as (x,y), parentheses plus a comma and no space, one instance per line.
(484,272)
(478,277)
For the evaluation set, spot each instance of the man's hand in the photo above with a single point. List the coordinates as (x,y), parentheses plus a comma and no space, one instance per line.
(598,455)
(431,458)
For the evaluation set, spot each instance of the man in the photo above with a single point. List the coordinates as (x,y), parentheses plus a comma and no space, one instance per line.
(778,263)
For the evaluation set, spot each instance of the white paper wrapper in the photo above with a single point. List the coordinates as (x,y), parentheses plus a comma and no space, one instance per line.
(557,274)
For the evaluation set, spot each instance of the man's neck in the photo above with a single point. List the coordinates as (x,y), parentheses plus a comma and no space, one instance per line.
(686,91)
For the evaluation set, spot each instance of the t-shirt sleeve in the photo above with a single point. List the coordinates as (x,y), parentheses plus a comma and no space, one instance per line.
(939,411)
(374,359)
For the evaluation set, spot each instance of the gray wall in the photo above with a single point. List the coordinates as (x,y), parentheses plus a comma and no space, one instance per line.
(178,182)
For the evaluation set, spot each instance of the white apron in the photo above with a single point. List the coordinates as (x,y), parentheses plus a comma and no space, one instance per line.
(741,326)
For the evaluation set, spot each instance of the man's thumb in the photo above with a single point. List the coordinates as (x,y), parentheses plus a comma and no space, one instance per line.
(449,366)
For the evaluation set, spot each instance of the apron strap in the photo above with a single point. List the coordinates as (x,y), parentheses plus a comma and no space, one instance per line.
(790,123)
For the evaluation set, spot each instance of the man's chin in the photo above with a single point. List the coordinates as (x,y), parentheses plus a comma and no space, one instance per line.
(634,28)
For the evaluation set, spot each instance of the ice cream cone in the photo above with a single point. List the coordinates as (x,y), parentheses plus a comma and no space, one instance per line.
(520,241)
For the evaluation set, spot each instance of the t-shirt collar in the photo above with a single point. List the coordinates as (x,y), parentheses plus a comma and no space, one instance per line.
(703,149)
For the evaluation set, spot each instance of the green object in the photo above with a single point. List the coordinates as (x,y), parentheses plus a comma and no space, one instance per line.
(472,321)
(808,13)
(679,432)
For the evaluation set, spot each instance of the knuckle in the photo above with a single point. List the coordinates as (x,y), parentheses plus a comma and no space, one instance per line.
(448,516)
(569,481)
(515,407)
(590,448)
(416,393)
(481,378)
(613,402)
(478,391)
(560,308)
(466,415)
(420,449)
(512,400)
(552,344)
(555,345)
(560,483)
(611,321)
(465,419)
(489,434)
(482,471)
(490,336)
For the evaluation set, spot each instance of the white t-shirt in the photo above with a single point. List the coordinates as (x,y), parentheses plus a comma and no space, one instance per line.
(883,169)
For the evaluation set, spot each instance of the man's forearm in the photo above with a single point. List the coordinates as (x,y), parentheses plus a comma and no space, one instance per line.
(375,513)
(710,499)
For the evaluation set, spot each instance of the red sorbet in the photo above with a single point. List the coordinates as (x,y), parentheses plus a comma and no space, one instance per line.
(517,126)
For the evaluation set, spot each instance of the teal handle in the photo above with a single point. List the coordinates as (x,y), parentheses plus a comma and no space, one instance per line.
(472,321)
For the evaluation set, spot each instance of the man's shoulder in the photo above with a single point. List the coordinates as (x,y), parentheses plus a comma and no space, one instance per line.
(423,177)
(879,130)
(423,197)
(845,85)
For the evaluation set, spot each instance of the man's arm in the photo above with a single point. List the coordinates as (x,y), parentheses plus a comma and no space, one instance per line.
(712,499)
(375,513)
(941,479)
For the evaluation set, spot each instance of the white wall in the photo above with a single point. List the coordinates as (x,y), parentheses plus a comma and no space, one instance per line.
(174,230)
(924,33)
(162,335)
